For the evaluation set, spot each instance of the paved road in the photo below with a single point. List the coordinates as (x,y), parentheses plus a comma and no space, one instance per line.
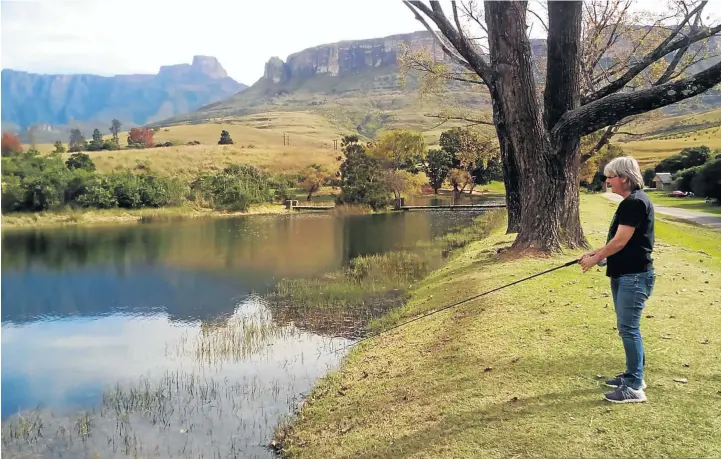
(696,217)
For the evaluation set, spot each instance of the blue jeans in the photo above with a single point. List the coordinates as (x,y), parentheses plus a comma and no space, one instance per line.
(630,292)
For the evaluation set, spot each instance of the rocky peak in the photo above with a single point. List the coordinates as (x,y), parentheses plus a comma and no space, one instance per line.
(208,66)
(275,70)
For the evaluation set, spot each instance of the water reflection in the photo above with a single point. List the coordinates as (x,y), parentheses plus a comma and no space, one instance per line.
(86,309)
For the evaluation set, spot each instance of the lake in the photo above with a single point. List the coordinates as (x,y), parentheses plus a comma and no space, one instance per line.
(154,340)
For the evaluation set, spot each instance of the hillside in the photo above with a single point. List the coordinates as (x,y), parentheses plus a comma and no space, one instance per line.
(357,84)
(52,103)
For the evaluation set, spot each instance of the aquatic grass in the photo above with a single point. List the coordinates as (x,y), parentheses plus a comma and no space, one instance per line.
(341,210)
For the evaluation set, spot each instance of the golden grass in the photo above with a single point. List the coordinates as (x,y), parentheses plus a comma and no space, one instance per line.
(101,217)
(519,373)
(649,152)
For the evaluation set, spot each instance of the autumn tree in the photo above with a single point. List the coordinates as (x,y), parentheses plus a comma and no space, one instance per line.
(11,144)
(312,178)
(540,134)
(141,138)
(115,130)
(402,182)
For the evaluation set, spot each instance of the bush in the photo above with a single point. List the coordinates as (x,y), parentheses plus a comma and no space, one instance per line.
(98,194)
(225,138)
(687,158)
(235,188)
(80,161)
(32,182)
(682,179)
(707,181)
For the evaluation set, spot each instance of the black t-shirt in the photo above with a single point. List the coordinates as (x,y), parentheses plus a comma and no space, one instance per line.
(635,257)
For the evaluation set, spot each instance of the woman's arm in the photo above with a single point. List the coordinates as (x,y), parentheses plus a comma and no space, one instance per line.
(619,241)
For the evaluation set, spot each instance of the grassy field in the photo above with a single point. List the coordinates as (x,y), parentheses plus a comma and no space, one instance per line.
(661,198)
(519,373)
(650,152)
(259,137)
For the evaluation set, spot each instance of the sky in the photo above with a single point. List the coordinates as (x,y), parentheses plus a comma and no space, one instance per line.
(107,37)
(130,36)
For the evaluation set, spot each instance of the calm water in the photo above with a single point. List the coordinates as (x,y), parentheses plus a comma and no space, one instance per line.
(133,325)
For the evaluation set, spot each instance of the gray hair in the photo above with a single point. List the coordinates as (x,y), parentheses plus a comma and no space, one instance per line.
(626,167)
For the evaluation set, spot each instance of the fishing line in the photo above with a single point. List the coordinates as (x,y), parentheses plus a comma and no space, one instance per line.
(572,262)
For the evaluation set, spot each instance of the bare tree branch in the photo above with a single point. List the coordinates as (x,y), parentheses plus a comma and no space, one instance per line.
(543,23)
(664,48)
(680,53)
(454,56)
(460,118)
(615,107)
(455,18)
(466,48)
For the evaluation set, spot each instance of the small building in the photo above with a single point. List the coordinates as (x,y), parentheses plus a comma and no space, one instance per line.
(662,181)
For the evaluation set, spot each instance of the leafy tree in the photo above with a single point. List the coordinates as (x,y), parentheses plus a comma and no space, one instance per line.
(438,164)
(696,156)
(80,161)
(707,181)
(11,144)
(648,176)
(402,182)
(399,149)
(682,179)
(97,143)
(225,138)
(115,130)
(362,177)
(77,141)
(472,152)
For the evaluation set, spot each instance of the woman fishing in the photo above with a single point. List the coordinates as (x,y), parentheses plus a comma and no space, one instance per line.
(630,266)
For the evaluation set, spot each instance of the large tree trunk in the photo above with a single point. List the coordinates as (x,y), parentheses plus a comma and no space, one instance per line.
(562,94)
(541,173)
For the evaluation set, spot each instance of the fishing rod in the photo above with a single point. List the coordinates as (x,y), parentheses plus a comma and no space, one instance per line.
(572,262)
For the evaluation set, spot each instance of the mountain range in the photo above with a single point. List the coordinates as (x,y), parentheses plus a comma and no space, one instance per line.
(53,103)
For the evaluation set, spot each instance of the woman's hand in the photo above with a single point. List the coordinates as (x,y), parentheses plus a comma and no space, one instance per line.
(589,261)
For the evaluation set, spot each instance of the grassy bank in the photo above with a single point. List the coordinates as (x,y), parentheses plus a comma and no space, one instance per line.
(101,217)
(519,373)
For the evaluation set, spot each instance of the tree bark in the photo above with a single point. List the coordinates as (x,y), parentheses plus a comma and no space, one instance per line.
(511,176)
(514,85)
(563,94)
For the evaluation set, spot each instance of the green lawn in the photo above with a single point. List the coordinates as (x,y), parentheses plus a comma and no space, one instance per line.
(661,198)
(519,373)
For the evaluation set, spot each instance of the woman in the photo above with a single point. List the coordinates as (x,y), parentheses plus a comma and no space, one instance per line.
(630,266)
